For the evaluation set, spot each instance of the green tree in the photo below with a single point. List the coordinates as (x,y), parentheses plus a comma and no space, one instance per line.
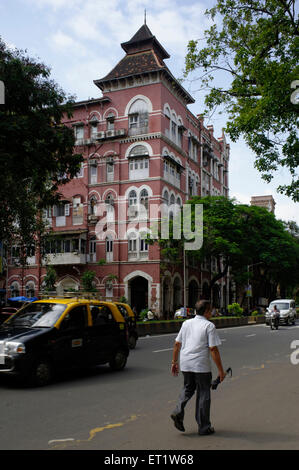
(254,42)
(50,279)
(87,280)
(36,149)
(238,235)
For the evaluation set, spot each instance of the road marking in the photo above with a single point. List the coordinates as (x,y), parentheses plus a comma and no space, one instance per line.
(163,350)
(157,336)
(248,336)
(60,441)
(92,433)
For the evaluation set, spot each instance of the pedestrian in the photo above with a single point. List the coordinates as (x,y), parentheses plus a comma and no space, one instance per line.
(196,341)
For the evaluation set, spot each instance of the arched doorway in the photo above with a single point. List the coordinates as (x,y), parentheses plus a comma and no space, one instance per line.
(67,284)
(193,294)
(138,293)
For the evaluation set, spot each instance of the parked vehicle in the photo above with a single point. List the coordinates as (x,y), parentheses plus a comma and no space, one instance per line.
(286,308)
(61,333)
(130,318)
(184,313)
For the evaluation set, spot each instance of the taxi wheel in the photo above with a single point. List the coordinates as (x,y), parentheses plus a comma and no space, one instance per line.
(132,342)
(42,373)
(119,361)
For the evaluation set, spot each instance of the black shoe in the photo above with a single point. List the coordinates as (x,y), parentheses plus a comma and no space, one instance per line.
(207,432)
(178,422)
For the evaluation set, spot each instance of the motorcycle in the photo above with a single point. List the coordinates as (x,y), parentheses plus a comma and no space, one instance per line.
(274,320)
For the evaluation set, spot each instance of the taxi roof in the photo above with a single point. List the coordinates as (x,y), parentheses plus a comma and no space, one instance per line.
(117,315)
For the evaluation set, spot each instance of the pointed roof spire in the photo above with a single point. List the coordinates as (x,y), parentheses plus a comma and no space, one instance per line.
(145,16)
(144,40)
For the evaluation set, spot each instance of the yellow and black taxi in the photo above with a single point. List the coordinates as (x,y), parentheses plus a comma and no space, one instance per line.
(61,333)
(130,318)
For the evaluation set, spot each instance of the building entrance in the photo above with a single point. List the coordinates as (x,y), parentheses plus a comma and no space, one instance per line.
(139,293)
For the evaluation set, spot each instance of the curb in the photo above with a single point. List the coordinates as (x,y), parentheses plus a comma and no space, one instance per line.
(149,328)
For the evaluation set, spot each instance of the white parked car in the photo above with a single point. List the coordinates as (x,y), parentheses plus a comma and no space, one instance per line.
(287,310)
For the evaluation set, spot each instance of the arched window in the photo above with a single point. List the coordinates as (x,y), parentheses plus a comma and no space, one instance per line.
(92,206)
(138,117)
(132,198)
(174,128)
(144,198)
(77,210)
(93,123)
(166,197)
(30,289)
(15,289)
(109,201)
(110,118)
(138,163)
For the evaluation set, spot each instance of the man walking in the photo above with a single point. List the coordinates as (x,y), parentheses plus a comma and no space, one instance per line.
(196,341)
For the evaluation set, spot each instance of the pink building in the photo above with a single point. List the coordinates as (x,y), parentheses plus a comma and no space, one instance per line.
(142,147)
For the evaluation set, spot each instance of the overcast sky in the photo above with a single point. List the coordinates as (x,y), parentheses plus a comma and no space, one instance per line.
(80,41)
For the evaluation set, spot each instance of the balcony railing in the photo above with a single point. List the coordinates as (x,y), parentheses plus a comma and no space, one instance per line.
(65,258)
(138,131)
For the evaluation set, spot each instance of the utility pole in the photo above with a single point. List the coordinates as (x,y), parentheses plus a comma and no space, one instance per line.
(184,277)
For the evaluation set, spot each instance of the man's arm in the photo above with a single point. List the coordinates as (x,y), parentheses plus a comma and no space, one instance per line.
(217,359)
(175,356)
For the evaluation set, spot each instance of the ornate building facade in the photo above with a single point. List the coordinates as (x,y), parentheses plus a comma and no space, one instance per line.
(142,149)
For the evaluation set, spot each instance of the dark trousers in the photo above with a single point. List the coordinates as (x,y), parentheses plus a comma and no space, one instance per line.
(201,382)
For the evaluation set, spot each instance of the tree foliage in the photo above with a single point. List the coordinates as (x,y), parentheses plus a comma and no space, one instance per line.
(36,149)
(256,43)
(238,235)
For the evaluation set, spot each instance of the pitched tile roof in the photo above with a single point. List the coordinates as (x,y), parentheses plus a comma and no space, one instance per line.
(135,64)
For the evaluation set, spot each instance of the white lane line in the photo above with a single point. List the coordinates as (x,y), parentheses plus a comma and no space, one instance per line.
(163,350)
(60,441)
(158,336)
(248,336)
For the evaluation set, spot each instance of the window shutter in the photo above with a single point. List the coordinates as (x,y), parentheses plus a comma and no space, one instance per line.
(67,209)
(54,211)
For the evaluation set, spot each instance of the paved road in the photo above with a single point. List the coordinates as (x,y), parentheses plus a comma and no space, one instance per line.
(98,409)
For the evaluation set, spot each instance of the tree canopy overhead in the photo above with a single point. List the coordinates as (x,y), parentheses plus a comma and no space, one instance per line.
(36,149)
(235,236)
(256,43)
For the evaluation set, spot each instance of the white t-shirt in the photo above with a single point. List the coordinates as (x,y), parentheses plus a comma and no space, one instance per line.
(196,337)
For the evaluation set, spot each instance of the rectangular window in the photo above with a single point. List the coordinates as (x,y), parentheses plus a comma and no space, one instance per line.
(132,245)
(79,132)
(110,171)
(143,245)
(93,130)
(93,174)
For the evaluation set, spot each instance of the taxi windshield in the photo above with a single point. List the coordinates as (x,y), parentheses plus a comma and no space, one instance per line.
(37,314)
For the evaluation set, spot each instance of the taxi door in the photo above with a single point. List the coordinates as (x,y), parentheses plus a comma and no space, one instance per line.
(104,334)
(72,337)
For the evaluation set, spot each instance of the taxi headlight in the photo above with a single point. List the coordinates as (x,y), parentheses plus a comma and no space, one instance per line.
(12,347)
